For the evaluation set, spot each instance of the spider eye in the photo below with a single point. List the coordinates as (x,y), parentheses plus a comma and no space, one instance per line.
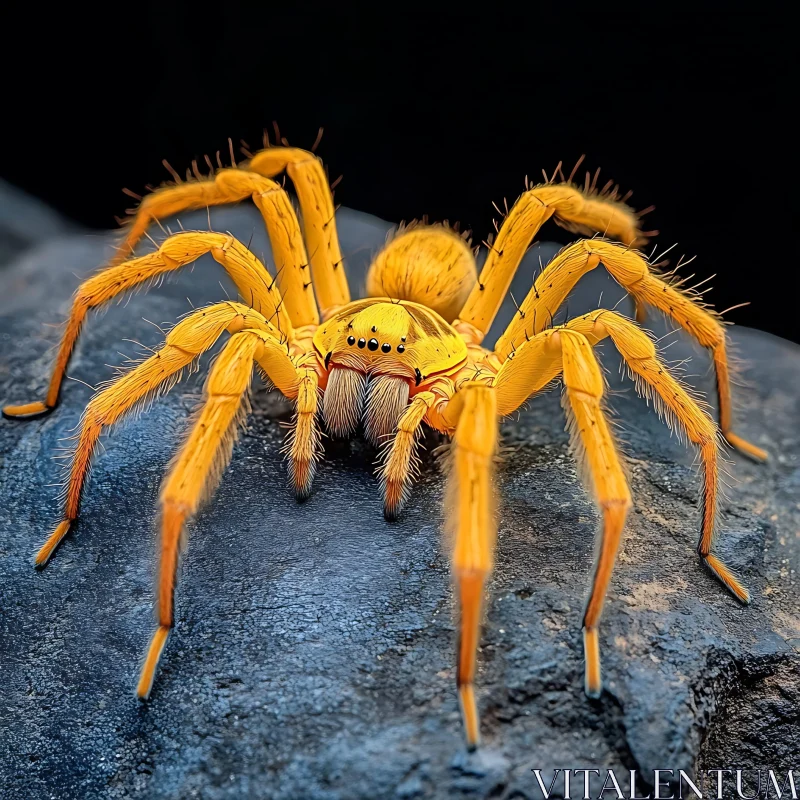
(401,348)
(351,340)
(362,343)
(386,347)
(372,344)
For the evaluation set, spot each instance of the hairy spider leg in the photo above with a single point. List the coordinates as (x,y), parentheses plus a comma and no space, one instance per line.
(250,276)
(156,375)
(538,361)
(631,270)
(471,522)
(653,379)
(709,331)
(570,208)
(595,449)
(232,186)
(319,222)
(203,458)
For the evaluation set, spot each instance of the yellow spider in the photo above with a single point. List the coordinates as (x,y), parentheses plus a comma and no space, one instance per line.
(409,354)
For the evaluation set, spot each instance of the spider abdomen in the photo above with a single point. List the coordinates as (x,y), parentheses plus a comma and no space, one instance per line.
(427,264)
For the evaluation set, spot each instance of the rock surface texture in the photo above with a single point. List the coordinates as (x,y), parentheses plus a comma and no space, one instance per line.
(314,650)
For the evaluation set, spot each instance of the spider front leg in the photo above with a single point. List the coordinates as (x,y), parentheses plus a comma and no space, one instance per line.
(203,457)
(632,271)
(470,519)
(247,272)
(156,375)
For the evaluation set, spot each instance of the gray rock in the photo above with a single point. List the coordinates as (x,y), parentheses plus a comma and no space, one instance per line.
(314,650)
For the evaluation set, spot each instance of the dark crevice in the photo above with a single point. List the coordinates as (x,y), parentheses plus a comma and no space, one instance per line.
(757,720)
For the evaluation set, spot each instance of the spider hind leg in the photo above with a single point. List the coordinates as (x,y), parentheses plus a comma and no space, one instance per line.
(633,272)
(536,362)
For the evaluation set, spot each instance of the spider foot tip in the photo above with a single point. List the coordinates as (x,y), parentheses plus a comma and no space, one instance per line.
(741,593)
(53,541)
(593,681)
(728,578)
(391,513)
(469,715)
(302,479)
(393,501)
(593,692)
(747,449)
(27,411)
(148,672)
(302,493)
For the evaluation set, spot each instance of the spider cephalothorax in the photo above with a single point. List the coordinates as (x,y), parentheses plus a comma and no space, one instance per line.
(377,353)
(408,355)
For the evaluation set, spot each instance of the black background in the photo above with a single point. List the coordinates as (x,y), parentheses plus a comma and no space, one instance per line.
(431,112)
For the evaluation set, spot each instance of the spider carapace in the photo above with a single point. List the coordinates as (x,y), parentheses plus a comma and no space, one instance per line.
(408,355)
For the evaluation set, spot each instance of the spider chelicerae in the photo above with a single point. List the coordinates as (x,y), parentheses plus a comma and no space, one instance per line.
(407,355)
